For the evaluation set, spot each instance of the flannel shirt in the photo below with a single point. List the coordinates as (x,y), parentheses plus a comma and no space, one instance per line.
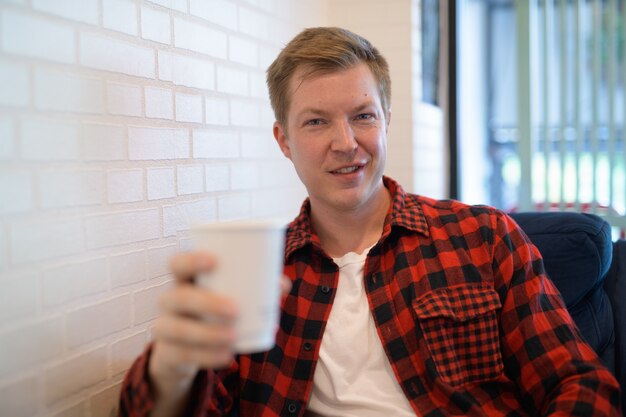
(466,314)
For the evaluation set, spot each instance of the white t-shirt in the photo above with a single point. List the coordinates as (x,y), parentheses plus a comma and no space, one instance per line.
(353,377)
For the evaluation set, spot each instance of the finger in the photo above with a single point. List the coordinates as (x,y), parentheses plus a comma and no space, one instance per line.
(285,285)
(194,333)
(176,356)
(198,302)
(185,266)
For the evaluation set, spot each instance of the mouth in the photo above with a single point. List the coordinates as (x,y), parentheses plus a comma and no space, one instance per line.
(347,170)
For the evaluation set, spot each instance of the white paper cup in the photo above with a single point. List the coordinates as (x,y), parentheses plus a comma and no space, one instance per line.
(250,263)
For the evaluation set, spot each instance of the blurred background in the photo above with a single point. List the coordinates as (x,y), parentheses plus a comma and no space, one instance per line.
(123,122)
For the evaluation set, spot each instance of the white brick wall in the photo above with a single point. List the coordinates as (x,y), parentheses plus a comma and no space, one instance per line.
(15,90)
(155,25)
(122,122)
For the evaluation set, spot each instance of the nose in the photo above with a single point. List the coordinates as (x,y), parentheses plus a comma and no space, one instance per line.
(343,139)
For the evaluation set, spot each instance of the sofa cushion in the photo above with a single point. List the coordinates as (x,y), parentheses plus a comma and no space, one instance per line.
(576,248)
(577,252)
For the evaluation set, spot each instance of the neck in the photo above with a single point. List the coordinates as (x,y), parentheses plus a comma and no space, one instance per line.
(343,231)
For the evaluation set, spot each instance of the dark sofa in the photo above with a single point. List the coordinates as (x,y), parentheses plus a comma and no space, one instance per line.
(590,271)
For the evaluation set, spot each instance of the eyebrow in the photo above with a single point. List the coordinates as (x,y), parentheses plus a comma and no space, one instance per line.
(321,112)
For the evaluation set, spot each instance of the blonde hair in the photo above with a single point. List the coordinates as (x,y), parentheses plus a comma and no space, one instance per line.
(324,50)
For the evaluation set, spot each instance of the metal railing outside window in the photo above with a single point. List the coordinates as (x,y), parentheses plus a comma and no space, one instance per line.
(568,150)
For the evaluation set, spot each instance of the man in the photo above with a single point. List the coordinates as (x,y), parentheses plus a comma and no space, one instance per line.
(399,305)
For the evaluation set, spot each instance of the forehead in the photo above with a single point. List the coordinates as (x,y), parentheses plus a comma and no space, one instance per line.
(324,86)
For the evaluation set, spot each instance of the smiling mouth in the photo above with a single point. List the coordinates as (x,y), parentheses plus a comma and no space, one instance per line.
(347,170)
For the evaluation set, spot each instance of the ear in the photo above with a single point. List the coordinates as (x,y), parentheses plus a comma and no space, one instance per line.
(282,140)
(387,120)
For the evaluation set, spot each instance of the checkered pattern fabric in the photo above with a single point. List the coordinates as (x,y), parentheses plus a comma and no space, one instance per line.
(468,319)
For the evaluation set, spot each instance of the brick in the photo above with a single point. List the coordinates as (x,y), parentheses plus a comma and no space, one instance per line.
(16,188)
(120,228)
(258,86)
(45,239)
(49,139)
(185,244)
(17,397)
(243,176)
(217,177)
(109,54)
(125,351)
(128,268)
(159,260)
(267,55)
(146,302)
(278,173)
(76,410)
(190,179)
(75,374)
(104,142)
(31,344)
(256,144)
(70,188)
(244,113)
(36,37)
(104,403)
(14,78)
(220,12)
(155,25)
(232,81)
(233,207)
(267,117)
(68,93)
(3,251)
(96,321)
(243,51)
(271,203)
(125,186)
(161,183)
(253,23)
(180,5)
(181,216)
(198,38)
(216,111)
(19,296)
(120,15)
(72,281)
(124,99)
(215,144)
(187,71)
(79,10)
(189,108)
(146,143)
(159,103)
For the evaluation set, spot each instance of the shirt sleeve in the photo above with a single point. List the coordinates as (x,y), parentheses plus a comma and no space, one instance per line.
(557,373)
(213,393)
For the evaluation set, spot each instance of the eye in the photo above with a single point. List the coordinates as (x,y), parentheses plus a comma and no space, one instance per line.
(314,122)
(365,116)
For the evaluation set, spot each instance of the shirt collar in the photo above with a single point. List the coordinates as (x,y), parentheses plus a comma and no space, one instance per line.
(405,211)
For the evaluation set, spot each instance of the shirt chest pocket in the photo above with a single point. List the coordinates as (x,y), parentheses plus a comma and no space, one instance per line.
(460,328)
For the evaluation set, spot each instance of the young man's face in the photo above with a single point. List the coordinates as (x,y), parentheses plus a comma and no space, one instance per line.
(336,137)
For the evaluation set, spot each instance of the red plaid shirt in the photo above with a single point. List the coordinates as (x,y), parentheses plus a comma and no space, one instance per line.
(468,319)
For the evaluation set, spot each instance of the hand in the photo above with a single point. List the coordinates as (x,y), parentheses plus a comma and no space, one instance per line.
(195,328)
(194,331)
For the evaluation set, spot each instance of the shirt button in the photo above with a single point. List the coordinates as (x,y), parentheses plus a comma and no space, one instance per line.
(325,289)
(307,346)
(292,408)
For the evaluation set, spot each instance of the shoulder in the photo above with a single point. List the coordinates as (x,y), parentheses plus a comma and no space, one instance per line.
(441,212)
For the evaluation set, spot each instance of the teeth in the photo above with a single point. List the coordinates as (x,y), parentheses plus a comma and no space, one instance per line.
(347,170)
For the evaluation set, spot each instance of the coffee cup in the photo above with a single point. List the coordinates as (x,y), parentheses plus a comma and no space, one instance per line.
(249,268)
